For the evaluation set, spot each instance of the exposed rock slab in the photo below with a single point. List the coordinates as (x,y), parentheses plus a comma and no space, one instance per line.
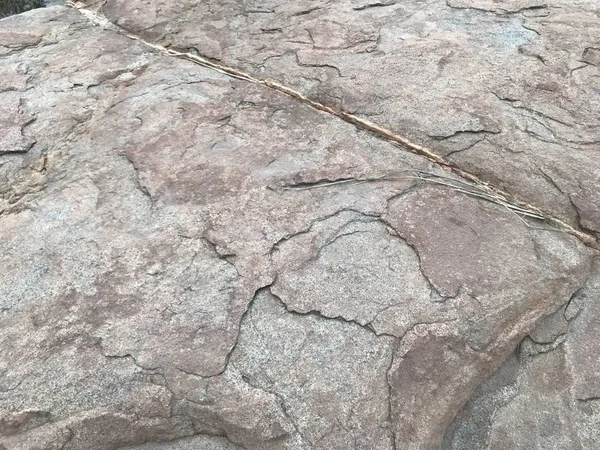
(506,90)
(190,260)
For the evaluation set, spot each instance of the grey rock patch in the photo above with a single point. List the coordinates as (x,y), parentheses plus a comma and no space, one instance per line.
(329,376)
(191,443)
(354,266)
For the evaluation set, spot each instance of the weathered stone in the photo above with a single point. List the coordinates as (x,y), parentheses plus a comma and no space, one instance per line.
(329,375)
(506,90)
(192,443)
(582,353)
(545,396)
(190,260)
(13,122)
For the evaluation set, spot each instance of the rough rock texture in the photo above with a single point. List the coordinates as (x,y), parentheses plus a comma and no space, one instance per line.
(508,90)
(189,260)
(547,394)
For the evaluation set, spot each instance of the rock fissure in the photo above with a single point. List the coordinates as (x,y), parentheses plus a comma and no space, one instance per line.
(490,191)
(390,393)
(432,287)
(314,312)
(499,10)
(138,183)
(309,228)
(374,5)
(308,445)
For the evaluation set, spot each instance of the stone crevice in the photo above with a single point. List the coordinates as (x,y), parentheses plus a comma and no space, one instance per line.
(374,5)
(499,11)
(138,183)
(308,445)
(276,245)
(390,413)
(322,66)
(314,312)
(365,125)
(237,335)
(432,287)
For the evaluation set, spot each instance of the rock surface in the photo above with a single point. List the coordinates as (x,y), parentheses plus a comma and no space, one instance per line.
(507,90)
(191,260)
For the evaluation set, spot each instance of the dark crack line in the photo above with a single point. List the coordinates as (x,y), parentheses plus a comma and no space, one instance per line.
(464,133)
(566,312)
(432,287)
(534,112)
(549,179)
(578,214)
(374,5)
(143,189)
(500,11)
(14,387)
(130,357)
(239,328)
(362,124)
(284,410)
(323,182)
(316,313)
(306,11)
(390,394)
(339,234)
(468,147)
(530,349)
(276,245)
(318,66)
(221,252)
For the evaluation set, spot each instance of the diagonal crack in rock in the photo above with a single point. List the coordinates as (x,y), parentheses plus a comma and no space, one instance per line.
(494,192)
